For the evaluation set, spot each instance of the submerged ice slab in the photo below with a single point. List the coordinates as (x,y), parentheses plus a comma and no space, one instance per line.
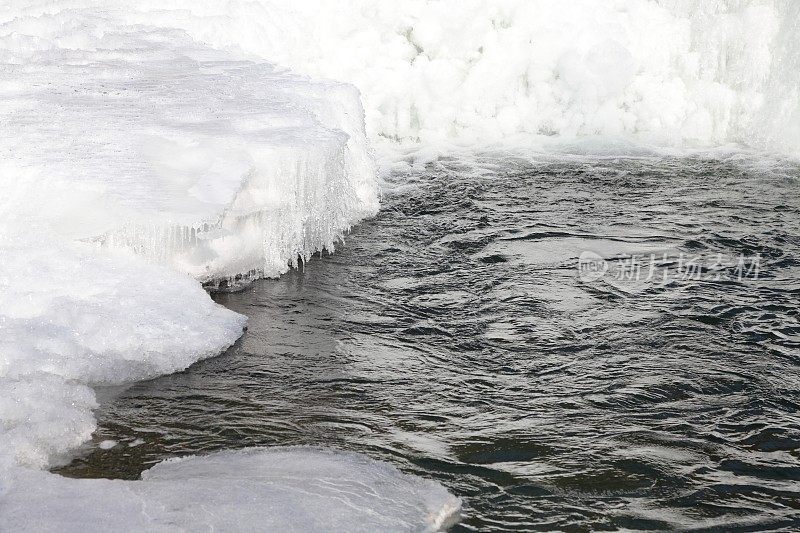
(262,489)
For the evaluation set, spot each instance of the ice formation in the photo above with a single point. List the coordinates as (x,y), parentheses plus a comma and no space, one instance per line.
(70,317)
(135,163)
(122,137)
(137,137)
(258,489)
(664,72)
(146,147)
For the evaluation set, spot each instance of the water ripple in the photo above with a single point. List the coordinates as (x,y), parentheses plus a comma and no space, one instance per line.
(452,336)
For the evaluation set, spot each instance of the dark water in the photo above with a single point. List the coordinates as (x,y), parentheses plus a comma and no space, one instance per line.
(453,337)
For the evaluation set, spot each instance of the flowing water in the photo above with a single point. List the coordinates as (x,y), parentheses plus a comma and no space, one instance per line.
(455,336)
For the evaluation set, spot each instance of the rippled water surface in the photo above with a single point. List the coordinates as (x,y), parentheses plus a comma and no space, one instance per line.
(453,337)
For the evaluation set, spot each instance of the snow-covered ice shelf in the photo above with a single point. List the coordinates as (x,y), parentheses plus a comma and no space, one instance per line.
(136,163)
(119,137)
(139,137)
(677,73)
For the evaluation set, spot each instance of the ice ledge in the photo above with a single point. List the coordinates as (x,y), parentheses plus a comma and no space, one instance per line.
(213,165)
(138,138)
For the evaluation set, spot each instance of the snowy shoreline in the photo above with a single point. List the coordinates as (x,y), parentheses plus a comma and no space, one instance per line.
(149,150)
(144,163)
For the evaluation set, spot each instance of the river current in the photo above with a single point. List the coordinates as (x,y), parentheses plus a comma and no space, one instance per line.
(573,343)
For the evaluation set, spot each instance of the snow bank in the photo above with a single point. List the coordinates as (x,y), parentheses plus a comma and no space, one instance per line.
(70,317)
(666,72)
(122,137)
(262,489)
(135,136)
(135,163)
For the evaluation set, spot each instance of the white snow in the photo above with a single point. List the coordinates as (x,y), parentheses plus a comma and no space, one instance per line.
(676,73)
(71,316)
(149,145)
(135,136)
(135,163)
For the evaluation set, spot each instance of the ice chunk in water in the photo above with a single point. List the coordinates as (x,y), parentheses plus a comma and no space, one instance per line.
(257,489)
